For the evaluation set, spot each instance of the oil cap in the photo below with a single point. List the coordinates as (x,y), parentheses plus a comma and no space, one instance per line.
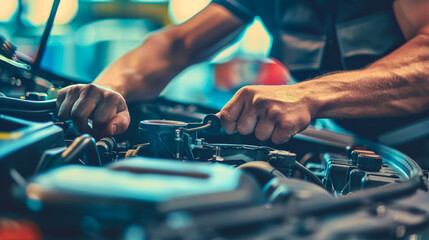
(357,152)
(351,148)
(369,162)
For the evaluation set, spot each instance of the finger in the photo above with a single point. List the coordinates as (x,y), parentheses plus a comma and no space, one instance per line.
(64,112)
(102,116)
(119,123)
(60,97)
(264,129)
(281,135)
(80,113)
(284,130)
(105,112)
(230,113)
(247,121)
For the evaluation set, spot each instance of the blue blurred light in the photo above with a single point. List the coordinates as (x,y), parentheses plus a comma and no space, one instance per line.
(255,41)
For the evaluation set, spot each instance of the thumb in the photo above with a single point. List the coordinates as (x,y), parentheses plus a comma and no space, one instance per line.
(118,124)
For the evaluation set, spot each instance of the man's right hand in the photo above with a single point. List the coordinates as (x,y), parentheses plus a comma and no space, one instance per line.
(143,72)
(106,108)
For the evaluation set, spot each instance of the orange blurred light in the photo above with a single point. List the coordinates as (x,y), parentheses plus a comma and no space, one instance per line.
(180,11)
(8,10)
(36,12)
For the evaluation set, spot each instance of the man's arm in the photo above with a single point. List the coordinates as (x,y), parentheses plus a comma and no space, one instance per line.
(145,71)
(397,84)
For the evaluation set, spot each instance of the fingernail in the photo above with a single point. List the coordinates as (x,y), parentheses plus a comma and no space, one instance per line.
(113,129)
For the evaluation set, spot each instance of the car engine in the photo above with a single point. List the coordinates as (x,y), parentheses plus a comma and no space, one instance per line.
(175,174)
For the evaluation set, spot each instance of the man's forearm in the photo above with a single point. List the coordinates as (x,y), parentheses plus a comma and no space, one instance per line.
(145,71)
(398,84)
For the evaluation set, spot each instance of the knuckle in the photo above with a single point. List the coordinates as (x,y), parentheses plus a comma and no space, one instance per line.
(285,123)
(260,102)
(246,91)
(73,90)
(90,89)
(61,93)
(273,113)
(226,116)
(110,97)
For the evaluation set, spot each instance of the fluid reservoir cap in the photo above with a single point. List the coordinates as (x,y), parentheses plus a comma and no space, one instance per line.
(215,124)
(159,127)
(369,162)
(356,153)
(351,148)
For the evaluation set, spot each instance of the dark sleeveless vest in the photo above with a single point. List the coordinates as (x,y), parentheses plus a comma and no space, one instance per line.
(313,37)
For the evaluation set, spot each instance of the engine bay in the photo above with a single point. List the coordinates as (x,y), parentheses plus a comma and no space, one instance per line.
(176,174)
(184,178)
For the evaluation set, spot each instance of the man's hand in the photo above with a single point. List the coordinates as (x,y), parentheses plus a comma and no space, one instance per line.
(105,107)
(276,112)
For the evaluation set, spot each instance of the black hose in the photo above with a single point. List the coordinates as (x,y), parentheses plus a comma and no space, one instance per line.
(31,110)
(309,174)
(105,146)
(303,160)
(384,193)
(83,145)
(262,171)
(20,104)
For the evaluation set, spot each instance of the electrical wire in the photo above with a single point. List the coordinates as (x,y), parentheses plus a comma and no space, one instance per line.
(309,174)
(195,129)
